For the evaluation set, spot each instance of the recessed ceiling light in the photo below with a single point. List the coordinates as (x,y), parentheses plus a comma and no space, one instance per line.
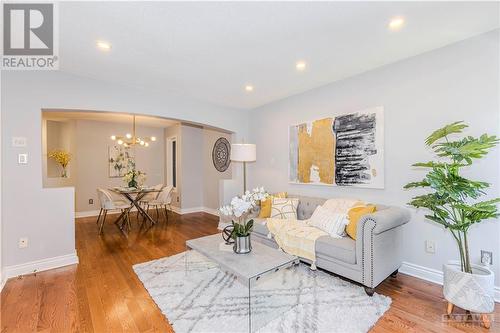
(103,45)
(396,23)
(300,65)
(249,88)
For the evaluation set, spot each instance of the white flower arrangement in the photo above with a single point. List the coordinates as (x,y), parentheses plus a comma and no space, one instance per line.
(240,207)
(134,178)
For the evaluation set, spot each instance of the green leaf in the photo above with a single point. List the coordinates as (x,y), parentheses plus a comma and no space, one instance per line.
(467,149)
(422,183)
(455,127)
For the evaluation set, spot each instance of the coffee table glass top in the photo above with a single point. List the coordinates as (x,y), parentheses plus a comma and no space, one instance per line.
(253,270)
(261,260)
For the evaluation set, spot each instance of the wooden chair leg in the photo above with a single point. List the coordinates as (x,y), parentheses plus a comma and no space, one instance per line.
(103,220)
(166,212)
(129,225)
(98,217)
(485,320)
(449,308)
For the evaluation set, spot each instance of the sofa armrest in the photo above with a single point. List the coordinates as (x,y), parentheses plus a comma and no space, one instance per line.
(388,218)
(379,244)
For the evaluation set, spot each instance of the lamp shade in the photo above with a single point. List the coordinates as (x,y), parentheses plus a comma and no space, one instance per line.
(243,152)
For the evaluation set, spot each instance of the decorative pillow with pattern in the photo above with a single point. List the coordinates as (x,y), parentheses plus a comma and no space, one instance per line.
(266,204)
(341,205)
(332,223)
(284,208)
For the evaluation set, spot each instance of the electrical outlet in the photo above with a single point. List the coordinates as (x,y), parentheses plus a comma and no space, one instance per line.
(23,242)
(91,201)
(486,257)
(430,246)
(22,159)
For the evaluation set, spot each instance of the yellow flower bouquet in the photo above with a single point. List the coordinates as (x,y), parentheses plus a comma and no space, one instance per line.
(63,158)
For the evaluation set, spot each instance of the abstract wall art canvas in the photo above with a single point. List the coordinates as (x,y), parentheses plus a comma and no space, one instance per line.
(344,150)
(120,161)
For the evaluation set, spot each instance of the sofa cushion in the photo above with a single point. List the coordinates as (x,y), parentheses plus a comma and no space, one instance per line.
(266,204)
(343,249)
(355,215)
(330,222)
(284,208)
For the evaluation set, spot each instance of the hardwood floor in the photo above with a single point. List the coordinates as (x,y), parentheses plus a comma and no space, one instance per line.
(103,294)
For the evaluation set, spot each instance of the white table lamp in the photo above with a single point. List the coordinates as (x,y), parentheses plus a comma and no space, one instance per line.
(244,152)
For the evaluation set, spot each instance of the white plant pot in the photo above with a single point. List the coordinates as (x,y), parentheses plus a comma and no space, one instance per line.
(473,292)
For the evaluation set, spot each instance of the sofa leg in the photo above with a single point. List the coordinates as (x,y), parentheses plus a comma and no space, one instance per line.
(369,291)
(395,273)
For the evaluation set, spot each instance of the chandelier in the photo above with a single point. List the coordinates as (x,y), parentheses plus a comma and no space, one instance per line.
(131,139)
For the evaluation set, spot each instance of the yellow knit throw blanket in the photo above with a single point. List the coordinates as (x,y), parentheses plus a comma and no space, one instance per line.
(295,237)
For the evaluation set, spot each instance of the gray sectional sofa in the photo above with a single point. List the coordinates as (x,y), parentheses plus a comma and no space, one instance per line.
(370,259)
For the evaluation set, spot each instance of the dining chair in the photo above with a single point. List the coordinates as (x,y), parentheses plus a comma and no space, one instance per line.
(108,203)
(150,197)
(164,200)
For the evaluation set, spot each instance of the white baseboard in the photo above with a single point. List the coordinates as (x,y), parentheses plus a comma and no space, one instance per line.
(40,265)
(3,279)
(93,213)
(432,275)
(88,213)
(182,211)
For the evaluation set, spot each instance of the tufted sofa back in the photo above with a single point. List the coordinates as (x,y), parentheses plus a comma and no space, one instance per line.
(307,205)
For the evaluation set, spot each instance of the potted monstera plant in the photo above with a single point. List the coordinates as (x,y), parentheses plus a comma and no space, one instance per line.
(453,203)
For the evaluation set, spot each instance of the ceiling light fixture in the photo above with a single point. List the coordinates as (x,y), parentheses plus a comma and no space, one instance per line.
(132,139)
(103,45)
(300,65)
(248,88)
(396,23)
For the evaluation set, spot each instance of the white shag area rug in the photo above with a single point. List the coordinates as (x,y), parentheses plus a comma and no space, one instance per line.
(205,299)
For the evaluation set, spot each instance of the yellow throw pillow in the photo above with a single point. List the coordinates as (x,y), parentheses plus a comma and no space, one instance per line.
(265,205)
(355,214)
(265,208)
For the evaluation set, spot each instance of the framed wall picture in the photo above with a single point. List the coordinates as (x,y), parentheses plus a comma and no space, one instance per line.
(342,150)
(120,161)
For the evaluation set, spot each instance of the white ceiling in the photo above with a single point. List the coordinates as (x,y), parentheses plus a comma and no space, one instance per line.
(111,117)
(210,50)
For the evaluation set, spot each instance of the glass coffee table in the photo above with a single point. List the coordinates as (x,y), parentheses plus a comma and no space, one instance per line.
(250,269)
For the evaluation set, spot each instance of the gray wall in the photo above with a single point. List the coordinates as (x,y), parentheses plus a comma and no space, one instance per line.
(420,94)
(49,221)
(91,159)
(192,167)
(212,177)
(198,180)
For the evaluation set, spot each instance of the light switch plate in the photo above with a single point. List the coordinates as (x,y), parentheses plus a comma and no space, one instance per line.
(430,246)
(19,141)
(22,158)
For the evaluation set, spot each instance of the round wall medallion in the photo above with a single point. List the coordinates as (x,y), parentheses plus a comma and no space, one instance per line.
(220,154)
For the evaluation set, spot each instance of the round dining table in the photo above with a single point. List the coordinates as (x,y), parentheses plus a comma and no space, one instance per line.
(134,196)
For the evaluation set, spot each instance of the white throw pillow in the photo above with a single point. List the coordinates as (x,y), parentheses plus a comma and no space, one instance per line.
(284,208)
(340,205)
(332,223)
